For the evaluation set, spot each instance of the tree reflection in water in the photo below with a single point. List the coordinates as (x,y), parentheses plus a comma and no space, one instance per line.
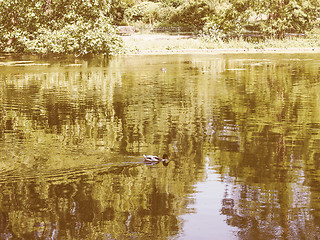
(72,138)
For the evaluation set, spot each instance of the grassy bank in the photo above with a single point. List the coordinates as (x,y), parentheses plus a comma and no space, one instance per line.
(153,43)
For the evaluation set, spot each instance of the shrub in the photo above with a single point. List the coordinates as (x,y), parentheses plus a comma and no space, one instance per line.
(147,12)
(211,32)
(271,18)
(193,13)
(78,27)
(289,17)
(117,11)
(79,38)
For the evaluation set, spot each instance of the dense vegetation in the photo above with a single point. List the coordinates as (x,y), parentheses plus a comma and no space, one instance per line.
(229,17)
(87,26)
(64,26)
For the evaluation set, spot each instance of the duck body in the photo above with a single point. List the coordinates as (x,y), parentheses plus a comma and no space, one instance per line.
(151,158)
(155,159)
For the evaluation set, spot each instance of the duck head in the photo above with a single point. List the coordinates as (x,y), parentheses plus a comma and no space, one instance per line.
(165,160)
(165,157)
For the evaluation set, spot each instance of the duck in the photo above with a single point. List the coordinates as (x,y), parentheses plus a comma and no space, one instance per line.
(155,159)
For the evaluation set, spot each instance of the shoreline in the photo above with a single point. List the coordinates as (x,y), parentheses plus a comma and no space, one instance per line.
(224,51)
(164,44)
(217,51)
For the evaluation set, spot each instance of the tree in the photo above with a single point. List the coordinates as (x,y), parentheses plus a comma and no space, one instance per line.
(192,13)
(284,16)
(273,18)
(75,26)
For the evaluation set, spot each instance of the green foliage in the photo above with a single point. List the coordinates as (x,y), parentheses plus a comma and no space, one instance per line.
(230,20)
(78,38)
(148,12)
(117,11)
(170,12)
(271,18)
(76,26)
(211,32)
(173,3)
(192,13)
(289,17)
(85,26)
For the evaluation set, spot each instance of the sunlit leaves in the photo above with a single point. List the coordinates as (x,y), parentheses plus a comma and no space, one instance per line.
(78,27)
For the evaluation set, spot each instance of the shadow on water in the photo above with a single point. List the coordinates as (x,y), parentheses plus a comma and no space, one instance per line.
(122,200)
(243,132)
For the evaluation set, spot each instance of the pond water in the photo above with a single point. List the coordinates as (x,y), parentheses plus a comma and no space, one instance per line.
(242,132)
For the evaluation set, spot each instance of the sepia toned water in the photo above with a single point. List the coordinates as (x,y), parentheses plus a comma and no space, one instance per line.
(242,132)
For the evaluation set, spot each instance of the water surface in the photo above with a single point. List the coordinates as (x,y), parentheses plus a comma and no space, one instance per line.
(242,130)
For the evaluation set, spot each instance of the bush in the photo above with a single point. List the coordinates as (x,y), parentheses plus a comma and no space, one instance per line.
(79,38)
(270,18)
(229,19)
(117,11)
(193,13)
(147,12)
(211,32)
(291,17)
(79,27)
(173,3)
